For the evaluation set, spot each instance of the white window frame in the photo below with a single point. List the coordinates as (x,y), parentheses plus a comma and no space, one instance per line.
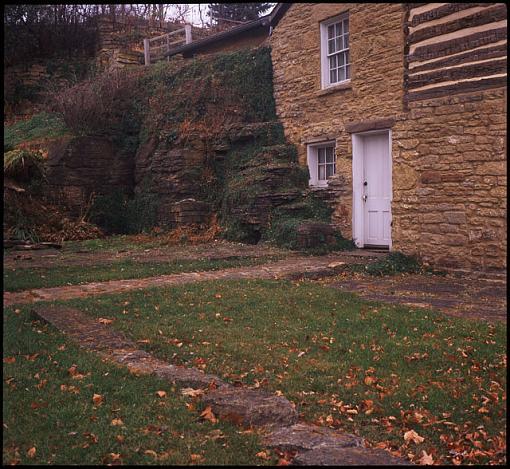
(325,76)
(312,156)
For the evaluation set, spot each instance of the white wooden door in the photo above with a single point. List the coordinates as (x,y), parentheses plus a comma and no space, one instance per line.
(376,190)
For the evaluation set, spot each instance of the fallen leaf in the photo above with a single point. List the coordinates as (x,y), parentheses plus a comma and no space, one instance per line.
(370,380)
(426,459)
(9,359)
(105,321)
(31,452)
(413,436)
(97,399)
(192,392)
(217,295)
(117,422)
(72,370)
(150,452)
(207,414)
(262,455)
(120,438)
(161,393)
(196,458)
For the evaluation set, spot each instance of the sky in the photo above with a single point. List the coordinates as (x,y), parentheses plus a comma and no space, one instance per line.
(193,14)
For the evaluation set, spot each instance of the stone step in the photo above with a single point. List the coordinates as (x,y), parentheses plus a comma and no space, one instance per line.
(353,456)
(306,437)
(251,407)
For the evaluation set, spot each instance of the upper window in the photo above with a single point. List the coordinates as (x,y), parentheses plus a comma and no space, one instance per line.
(335,62)
(321,163)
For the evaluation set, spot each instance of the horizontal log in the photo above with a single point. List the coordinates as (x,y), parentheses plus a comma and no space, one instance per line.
(443,11)
(470,56)
(457,88)
(488,15)
(467,71)
(461,44)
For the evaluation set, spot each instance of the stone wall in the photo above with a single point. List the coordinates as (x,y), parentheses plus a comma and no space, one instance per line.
(77,167)
(448,146)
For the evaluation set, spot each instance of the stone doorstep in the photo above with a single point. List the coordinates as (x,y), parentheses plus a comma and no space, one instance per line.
(275,416)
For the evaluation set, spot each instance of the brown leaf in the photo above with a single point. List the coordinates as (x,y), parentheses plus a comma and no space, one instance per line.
(31,452)
(411,435)
(190,392)
(9,359)
(370,380)
(73,370)
(120,438)
(207,414)
(150,452)
(262,455)
(161,394)
(197,458)
(105,321)
(117,422)
(426,459)
(97,399)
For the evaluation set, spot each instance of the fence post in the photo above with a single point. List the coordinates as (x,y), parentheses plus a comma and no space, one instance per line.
(146,51)
(187,32)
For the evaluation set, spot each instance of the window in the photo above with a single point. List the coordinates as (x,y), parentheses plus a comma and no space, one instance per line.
(321,163)
(335,62)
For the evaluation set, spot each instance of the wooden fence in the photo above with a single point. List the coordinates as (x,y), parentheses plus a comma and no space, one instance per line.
(155,48)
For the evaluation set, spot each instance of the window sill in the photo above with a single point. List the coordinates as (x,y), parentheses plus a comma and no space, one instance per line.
(318,186)
(347,85)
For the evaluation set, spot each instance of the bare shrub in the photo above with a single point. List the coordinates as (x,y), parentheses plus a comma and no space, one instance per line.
(96,105)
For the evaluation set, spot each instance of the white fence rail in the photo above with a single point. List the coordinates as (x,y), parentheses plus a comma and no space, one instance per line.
(157,46)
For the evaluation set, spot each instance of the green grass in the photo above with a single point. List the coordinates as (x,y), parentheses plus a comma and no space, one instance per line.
(42,410)
(116,243)
(42,125)
(16,279)
(372,369)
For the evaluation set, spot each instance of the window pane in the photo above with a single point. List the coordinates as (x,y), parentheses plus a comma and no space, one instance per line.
(330,155)
(346,53)
(346,25)
(322,158)
(331,31)
(333,76)
(347,72)
(333,62)
(339,29)
(322,172)
(346,42)
(341,59)
(331,46)
(330,170)
(341,74)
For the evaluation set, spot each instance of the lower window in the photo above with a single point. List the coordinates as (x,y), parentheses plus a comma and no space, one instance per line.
(321,163)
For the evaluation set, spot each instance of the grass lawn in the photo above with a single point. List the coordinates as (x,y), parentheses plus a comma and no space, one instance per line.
(375,370)
(16,279)
(49,416)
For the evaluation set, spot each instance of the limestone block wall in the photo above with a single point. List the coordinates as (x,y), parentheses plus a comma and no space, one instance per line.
(436,75)
(310,114)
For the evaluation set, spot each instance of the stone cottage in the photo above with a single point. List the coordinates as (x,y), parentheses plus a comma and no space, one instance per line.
(399,111)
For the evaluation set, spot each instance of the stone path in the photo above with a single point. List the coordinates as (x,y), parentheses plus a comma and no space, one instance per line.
(274,416)
(462,297)
(66,257)
(292,268)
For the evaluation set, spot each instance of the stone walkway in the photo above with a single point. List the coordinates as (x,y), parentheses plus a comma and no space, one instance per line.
(461,297)
(274,417)
(292,268)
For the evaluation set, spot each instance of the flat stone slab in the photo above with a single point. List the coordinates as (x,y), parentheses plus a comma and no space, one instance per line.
(91,334)
(351,456)
(306,437)
(251,407)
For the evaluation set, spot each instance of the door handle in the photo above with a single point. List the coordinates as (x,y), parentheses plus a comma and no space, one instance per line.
(365,198)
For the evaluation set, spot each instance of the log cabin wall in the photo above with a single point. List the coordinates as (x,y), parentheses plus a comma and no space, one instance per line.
(453,140)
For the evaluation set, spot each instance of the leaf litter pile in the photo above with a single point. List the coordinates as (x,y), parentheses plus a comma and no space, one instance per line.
(424,386)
